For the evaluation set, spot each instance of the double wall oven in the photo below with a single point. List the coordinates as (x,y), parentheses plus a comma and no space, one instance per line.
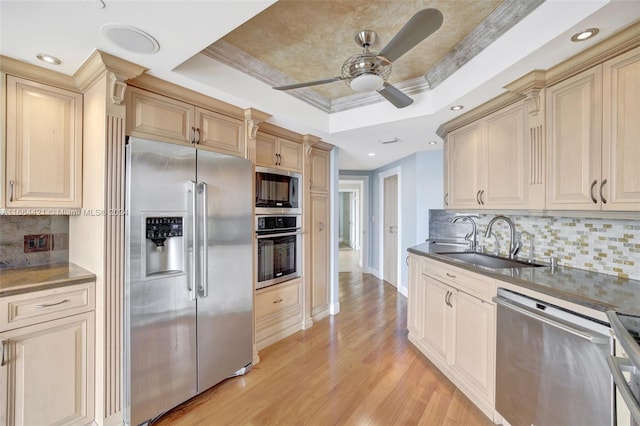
(278,226)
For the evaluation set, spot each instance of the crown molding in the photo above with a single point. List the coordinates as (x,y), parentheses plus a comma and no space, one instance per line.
(505,16)
(281,132)
(36,73)
(479,112)
(99,64)
(228,54)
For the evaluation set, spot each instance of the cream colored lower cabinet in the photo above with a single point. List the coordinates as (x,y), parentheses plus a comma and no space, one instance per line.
(47,373)
(278,312)
(455,329)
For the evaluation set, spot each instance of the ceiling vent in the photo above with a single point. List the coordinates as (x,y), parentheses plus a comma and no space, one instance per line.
(389,141)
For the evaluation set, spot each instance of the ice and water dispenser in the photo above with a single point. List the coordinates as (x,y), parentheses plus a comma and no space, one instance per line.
(164,249)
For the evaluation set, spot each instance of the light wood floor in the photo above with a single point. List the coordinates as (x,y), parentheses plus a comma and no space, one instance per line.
(355,368)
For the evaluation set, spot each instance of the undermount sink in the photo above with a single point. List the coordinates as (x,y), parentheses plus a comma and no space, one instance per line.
(489,261)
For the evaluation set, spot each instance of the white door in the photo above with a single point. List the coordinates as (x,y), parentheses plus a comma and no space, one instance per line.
(353,221)
(390,210)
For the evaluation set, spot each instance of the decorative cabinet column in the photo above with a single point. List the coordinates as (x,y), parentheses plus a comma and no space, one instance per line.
(252,120)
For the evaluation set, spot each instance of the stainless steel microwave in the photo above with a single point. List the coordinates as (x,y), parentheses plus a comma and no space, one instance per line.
(278,191)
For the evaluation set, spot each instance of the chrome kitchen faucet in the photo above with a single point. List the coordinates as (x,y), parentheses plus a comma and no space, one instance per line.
(471,236)
(514,244)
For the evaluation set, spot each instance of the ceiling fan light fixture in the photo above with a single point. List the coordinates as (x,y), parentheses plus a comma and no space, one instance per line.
(366,83)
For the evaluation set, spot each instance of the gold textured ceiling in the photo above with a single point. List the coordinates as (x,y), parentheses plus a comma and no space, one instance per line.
(309,40)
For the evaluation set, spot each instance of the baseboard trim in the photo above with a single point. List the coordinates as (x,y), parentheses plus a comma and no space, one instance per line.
(334,308)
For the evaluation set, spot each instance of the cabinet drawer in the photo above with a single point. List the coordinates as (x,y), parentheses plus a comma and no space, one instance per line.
(469,282)
(277,298)
(35,307)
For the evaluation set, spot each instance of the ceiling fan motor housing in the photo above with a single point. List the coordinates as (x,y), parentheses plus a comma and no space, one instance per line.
(365,63)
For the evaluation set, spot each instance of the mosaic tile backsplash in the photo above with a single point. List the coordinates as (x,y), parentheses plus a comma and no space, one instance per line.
(608,246)
(51,245)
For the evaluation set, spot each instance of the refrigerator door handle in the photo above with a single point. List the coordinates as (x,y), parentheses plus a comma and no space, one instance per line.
(204,264)
(194,232)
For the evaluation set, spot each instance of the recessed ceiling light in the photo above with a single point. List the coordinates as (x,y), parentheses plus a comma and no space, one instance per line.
(584,35)
(456,107)
(130,38)
(52,60)
(433,142)
(371,154)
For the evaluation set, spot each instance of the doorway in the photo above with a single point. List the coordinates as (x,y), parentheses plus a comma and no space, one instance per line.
(389,228)
(352,229)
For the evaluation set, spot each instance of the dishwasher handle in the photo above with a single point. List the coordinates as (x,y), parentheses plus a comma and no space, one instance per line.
(595,338)
(616,365)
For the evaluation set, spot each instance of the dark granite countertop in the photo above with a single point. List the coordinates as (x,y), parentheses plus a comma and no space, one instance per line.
(593,290)
(23,280)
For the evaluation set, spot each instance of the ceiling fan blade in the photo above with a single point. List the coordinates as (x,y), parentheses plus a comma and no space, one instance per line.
(395,96)
(420,26)
(308,83)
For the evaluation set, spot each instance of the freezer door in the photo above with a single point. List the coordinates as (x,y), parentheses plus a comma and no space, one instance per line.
(225,294)
(160,309)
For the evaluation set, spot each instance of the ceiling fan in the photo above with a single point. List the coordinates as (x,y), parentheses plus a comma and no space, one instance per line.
(368,71)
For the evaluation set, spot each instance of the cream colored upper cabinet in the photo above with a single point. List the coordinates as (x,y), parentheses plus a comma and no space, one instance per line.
(220,133)
(506,160)
(574,129)
(621,133)
(43,146)
(320,170)
(272,151)
(464,155)
(488,162)
(157,117)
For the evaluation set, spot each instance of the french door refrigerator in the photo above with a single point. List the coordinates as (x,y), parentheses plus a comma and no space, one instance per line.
(189,286)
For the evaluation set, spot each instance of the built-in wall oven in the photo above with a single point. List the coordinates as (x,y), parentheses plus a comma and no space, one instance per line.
(279,246)
(278,191)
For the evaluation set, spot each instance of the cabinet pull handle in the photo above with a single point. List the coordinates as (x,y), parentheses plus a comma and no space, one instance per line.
(48,305)
(447,299)
(193,134)
(277,301)
(11,187)
(450,275)
(446,199)
(478,197)
(604,200)
(446,296)
(593,197)
(482,197)
(197,135)
(407,261)
(5,344)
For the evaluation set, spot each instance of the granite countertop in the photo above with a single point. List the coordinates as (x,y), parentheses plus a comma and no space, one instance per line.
(23,280)
(590,289)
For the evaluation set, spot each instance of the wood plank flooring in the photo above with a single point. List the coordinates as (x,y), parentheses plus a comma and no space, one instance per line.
(355,368)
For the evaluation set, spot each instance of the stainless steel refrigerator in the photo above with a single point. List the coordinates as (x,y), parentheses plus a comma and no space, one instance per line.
(189,287)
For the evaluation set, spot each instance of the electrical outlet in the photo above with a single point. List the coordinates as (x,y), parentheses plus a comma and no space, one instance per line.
(36,243)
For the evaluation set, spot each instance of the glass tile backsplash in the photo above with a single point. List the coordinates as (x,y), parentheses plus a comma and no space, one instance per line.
(609,246)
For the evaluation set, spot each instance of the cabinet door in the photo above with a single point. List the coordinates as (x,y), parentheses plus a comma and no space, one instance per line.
(574,124)
(220,133)
(266,150)
(44,145)
(319,256)
(465,160)
(505,169)
(436,316)
(472,357)
(159,118)
(621,133)
(320,170)
(48,374)
(290,155)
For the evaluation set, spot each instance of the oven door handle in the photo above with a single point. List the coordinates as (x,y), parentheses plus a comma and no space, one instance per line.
(286,234)
(616,365)
(595,338)
(624,338)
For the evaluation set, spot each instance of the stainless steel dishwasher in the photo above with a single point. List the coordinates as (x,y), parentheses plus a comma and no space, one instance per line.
(551,365)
